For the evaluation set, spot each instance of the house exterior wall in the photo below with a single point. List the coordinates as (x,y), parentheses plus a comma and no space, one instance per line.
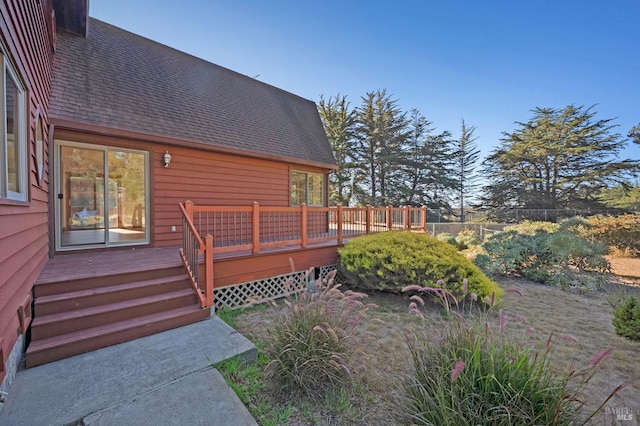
(204,177)
(26,28)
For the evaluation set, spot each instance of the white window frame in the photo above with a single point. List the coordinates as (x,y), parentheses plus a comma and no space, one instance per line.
(307,189)
(20,131)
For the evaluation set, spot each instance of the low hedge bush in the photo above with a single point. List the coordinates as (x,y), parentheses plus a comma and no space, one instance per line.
(626,319)
(390,261)
(561,257)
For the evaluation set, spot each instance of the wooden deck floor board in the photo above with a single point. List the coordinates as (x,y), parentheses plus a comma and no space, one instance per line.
(97,263)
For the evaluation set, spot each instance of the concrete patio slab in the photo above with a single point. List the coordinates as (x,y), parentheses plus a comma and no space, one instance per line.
(151,380)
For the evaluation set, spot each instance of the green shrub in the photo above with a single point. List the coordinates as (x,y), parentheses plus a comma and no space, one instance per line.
(470,374)
(621,232)
(518,254)
(576,225)
(390,261)
(466,239)
(559,258)
(447,238)
(312,342)
(626,319)
(528,227)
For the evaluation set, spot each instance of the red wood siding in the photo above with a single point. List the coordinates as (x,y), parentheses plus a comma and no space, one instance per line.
(228,270)
(26,30)
(204,177)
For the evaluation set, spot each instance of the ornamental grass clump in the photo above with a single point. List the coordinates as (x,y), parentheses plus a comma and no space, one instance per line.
(451,298)
(474,373)
(313,341)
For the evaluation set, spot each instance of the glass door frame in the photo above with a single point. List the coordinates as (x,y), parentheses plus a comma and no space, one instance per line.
(58,182)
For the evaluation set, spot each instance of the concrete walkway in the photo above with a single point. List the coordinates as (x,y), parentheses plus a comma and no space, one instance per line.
(163,379)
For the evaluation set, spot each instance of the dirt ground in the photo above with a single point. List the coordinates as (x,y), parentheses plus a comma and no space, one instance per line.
(626,269)
(580,323)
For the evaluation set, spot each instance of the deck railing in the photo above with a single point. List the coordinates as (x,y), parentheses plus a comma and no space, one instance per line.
(194,247)
(254,228)
(218,229)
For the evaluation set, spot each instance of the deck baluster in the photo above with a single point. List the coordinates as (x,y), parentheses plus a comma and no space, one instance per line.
(339,224)
(255,238)
(303,225)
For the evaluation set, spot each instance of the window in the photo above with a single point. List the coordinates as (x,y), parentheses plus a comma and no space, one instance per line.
(307,188)
(13,145)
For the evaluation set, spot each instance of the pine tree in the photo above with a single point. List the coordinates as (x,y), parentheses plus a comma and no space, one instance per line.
(380,135)
(339,125)
(560,158)
(466,156)
(426,165)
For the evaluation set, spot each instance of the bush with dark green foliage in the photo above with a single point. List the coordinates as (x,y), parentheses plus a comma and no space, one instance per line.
(474,374)
(312,342)
(389,261)
(561,258)
(626,319)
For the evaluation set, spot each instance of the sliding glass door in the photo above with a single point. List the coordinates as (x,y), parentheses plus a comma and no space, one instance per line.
(102,196)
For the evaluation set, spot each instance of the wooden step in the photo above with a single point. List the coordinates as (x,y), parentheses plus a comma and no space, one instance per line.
(52,287)
(81,299)
(51,325)
(66,345)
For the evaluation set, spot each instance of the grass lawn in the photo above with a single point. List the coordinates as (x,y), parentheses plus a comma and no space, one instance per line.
(581,324)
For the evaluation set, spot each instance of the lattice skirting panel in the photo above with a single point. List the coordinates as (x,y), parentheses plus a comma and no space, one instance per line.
(237,295)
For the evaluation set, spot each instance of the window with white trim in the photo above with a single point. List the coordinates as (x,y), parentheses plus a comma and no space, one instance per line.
(13,140)
(307,188)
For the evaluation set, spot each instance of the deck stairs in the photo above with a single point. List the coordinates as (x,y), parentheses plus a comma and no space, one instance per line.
(73,316)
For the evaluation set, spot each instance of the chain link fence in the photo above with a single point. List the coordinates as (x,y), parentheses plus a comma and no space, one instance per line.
(482,229)
(518,215)
(485,224)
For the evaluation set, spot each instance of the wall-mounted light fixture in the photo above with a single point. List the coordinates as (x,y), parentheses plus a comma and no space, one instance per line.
(166,159)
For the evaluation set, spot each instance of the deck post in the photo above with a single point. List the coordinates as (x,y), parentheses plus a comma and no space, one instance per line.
(303,225)
(188,207)
(367,226)
(407,217)
(423,219)
(389,217)
(208,270)
(255,228)
(339,223)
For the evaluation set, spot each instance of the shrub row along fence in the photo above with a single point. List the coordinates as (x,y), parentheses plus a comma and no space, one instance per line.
(519,215)
(482,229)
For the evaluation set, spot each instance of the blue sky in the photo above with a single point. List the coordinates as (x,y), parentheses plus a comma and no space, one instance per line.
(489,62)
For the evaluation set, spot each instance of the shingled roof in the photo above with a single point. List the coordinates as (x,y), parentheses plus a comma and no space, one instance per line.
(119,80)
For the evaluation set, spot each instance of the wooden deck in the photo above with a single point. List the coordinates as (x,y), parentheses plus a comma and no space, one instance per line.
(86,300)
(98,263)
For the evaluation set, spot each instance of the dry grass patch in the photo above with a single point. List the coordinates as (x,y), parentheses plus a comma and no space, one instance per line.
(581,322)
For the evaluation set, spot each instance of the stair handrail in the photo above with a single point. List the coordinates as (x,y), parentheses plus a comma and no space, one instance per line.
(193,246)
